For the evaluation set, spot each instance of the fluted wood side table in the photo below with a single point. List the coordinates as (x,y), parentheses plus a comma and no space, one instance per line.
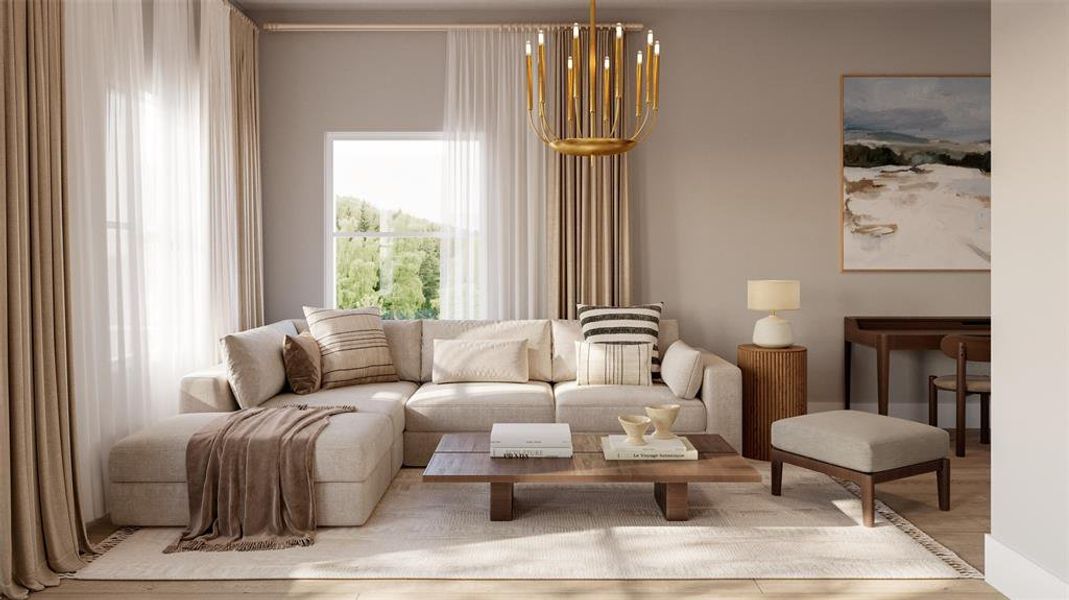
(773,388)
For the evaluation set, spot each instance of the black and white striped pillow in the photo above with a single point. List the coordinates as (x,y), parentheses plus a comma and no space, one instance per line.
(623,325)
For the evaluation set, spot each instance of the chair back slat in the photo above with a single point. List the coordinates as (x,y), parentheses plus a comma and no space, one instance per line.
(975,348)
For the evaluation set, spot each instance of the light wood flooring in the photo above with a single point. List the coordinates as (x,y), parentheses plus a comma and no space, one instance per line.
(962,530)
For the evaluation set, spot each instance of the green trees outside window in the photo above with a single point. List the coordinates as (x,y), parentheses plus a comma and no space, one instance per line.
(397,267)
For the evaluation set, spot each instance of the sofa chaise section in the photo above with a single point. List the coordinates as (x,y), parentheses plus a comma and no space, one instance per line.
(353,468)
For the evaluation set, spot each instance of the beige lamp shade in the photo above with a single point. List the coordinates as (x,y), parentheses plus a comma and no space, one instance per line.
(773,294)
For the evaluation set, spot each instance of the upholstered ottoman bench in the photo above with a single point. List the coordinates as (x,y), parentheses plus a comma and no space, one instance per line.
(147,470)
(861,447)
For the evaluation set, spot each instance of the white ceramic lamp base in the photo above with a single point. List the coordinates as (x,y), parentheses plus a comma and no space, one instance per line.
(773,332)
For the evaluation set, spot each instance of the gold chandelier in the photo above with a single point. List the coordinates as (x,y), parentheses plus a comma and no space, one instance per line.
(604,132)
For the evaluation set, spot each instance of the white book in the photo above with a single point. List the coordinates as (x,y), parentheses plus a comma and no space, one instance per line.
(500,452)
(648,452)
(531,435)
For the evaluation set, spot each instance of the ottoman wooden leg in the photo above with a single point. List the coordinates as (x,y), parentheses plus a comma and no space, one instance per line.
(943,479)
(868,500)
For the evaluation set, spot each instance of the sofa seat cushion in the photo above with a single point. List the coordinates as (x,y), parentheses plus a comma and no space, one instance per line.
(860,441)
(348,449)
(594,408)
(477,406)
(380,398)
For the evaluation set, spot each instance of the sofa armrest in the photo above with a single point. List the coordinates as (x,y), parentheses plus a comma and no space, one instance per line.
(721,392)
(206,391)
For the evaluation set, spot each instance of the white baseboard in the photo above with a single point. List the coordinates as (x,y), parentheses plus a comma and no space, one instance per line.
(1017,577)
(913,411)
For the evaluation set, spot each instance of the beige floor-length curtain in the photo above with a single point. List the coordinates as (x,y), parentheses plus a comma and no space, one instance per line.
(589,219)
(41,531)
(244,58)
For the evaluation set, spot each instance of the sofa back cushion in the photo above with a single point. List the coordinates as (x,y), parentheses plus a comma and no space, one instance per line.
(566,333)
(536,332)
(403,338)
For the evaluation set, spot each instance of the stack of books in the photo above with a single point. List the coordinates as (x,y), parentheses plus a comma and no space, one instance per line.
(616,447)
(531,440)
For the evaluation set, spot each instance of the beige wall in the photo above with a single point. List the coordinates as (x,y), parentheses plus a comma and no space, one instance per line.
(740,180)
(1028,550)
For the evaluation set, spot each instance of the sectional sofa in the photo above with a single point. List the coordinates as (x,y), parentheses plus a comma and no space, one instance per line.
(359,453)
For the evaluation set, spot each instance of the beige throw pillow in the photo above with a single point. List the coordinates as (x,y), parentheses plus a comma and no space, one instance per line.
(458,361)
(613,364)
(682,370)
(303,363)
(352,345)
(253,360)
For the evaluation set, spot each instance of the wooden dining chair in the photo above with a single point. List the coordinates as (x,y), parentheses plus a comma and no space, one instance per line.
(964,349)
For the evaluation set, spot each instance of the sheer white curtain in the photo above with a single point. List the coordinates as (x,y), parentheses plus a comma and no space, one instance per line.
(496,173)
(148,198)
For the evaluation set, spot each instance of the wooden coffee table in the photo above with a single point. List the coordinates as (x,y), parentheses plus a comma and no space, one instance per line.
(465,458)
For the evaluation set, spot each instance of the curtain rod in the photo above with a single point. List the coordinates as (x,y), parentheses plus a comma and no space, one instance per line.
(331,27)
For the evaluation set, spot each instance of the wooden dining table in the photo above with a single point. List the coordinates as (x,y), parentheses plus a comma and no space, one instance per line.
(885,334)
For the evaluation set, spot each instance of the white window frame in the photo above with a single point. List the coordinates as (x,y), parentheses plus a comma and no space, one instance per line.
(330,287)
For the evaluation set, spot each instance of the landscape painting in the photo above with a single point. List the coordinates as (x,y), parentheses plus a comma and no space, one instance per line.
(916,179)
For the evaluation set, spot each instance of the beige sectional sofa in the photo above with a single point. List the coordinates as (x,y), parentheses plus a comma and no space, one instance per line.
(401,423)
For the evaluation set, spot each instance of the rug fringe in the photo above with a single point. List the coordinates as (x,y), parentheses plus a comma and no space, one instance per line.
(202,545)
(948,556)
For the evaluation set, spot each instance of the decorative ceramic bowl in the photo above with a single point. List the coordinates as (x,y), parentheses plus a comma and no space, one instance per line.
(663,416)
(635,426)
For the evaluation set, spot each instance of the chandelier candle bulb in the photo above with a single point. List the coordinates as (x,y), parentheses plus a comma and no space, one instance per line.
(638,85)
(530,101)
(656,72)
(571,88)
(649,63)
(619,60)
(541,71)
(605,95)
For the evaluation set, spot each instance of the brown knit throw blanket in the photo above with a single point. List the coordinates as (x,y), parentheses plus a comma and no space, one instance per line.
(251,480)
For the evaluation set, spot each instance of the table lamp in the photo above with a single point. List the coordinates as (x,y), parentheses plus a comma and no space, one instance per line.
(773,295)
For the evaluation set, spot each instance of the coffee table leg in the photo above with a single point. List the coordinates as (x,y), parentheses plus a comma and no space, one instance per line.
(500,501)
(672,498)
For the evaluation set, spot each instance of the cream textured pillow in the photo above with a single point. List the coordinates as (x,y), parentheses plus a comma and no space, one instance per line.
(613,364)
(253,360)
(682,369)
(352,344)
(457,361)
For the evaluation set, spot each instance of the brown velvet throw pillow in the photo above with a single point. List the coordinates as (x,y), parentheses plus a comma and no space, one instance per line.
(303,363)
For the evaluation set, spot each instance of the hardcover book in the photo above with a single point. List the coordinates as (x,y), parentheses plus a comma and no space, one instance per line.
(506,452)
(614,447)
(531,435)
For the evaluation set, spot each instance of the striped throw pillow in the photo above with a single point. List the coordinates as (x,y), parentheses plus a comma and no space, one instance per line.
(613,364)
(623,325)
(352,345)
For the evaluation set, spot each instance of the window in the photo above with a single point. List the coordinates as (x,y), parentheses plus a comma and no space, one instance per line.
(384,204)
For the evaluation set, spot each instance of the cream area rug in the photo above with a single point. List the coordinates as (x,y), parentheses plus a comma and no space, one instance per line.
(597,531)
